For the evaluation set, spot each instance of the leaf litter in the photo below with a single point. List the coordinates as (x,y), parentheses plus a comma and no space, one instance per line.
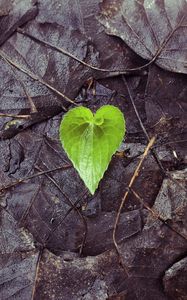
(156,30)
(41,204)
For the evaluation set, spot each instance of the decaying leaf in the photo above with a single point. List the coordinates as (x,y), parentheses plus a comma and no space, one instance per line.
(38,212)
(170,202)
(18,260)
(15,14)
(156,30)
(175,280)
(5,7)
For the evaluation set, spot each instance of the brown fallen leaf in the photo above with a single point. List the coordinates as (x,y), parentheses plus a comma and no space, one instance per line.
(156,30)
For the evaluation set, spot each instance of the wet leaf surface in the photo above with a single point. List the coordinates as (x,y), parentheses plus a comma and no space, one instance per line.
(17,277)
(95,273)
(18,259)
(175,277)
(47,219)
(5,7)
(151,28)
(14,14)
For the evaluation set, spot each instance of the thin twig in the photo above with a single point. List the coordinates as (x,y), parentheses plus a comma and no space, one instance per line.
(36,273)
(142,126)
(63,219)
(58,187)
(65,52)
(156,214)
(32,105)
(170,142)
(168,38)
(15,116)
(111,72)
(21,180)
(153,151)
(76,203)
(136,173)
(71,205)
(37,78)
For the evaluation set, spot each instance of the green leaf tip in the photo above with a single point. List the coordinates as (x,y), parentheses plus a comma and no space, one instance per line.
(90,140)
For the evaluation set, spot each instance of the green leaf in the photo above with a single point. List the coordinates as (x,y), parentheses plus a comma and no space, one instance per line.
(90,140)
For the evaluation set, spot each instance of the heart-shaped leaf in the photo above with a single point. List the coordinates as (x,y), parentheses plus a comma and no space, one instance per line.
(91,140)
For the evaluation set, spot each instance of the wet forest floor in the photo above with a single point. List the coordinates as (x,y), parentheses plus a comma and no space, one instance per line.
(56,240)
